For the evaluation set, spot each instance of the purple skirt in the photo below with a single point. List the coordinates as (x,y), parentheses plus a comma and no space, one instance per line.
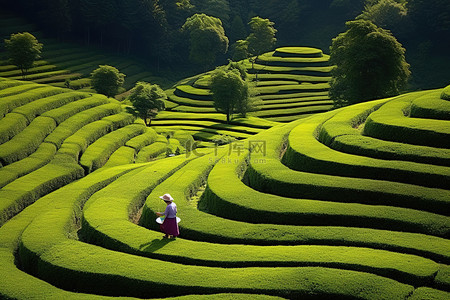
(170,226)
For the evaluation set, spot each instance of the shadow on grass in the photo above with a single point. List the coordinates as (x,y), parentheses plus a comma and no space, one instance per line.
(155,244)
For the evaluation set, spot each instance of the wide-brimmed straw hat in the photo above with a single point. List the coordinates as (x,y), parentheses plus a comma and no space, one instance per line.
(166,197)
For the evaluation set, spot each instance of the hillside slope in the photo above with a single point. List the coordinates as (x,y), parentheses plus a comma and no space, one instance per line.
(350,204)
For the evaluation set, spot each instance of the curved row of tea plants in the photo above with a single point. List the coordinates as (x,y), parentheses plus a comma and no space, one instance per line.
(52,136)
(68,64)
(272,219)
(291,82)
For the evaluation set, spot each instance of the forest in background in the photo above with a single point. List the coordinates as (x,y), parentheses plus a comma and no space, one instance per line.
(150,29)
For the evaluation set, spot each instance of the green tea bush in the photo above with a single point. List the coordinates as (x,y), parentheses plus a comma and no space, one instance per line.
(390,123)
(27,141)
(446,93)
(269,59)
(145,139)
(18,284)
(98,153)
(120,120)
(122,156)
(187,100)
(77,121)
(42,156)
(55,255)
(151,151)
(429,293)
(9,103)
(16,89)
(40,106)
(306,153)
(246,205)
(25,190)
(297,52)
(341,134)
(7,83)
(191,92)
(63,113)
(117,233)
(431,106)
(11,125)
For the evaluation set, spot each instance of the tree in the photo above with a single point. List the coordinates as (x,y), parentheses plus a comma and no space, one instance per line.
(148,100)
(207,38)
(216,8)
(262,36)
(240,50)
(370,64)
(261,39)
(231,92)
(23,49)
(107,80)
(237,30)
(388,14)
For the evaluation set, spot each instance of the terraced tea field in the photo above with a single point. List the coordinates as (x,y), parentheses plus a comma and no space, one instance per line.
(68,61)
(352,203)
(291,82)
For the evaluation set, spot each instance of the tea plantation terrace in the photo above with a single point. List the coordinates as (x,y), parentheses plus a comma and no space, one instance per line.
(292,83)
(359,194)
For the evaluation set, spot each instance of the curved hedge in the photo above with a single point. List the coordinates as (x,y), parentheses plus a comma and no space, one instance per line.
(98,152)
(27,141)
(431,106)
(341,133)
(117,233)
(9,103)
(55,255)
(390,123)
(306,153)
(446,93)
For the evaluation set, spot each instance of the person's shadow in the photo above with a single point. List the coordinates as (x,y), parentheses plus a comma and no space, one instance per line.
(154,245)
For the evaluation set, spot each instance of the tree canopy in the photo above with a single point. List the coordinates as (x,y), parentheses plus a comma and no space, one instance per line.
(262,36)
(23,49)
(147,100)
(231,91)
(107,80)
(370,64)
(207,38)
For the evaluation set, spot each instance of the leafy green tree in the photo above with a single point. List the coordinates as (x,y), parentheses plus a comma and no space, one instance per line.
(207,38)
(261,39)
(231,92)
(107,80)
(237,30)
(370,64)
(388,14)
(23,49)
(240,50)
(147,100)
(216,8)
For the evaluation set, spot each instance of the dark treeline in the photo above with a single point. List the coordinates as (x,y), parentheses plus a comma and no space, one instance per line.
(151,28)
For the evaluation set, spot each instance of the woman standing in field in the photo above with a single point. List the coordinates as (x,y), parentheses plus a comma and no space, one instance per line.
(170,224)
